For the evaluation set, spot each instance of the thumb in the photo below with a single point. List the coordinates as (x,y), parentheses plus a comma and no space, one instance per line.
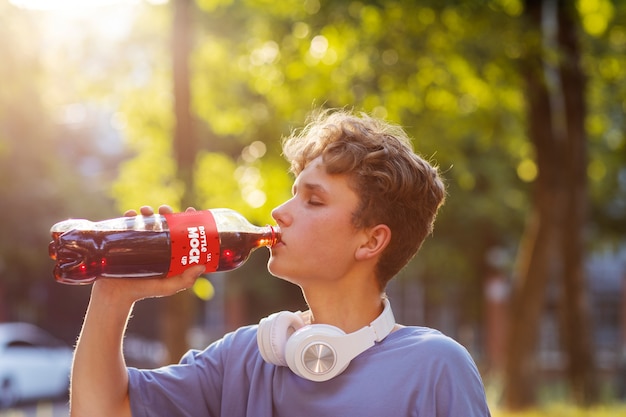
(190,275)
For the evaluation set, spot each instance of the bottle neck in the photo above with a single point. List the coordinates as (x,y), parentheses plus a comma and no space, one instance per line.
(271,236)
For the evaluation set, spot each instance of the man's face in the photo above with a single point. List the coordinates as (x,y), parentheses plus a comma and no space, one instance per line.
(318,238)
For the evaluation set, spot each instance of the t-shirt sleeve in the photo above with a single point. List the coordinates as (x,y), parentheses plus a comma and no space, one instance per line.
(456,386)
(189,388)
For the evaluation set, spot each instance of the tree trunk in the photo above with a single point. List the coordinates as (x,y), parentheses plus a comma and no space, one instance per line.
(553,245)
(179,309)
(539,245)
(575,326)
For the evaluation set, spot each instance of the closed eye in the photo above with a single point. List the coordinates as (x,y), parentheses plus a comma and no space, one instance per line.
(312,193)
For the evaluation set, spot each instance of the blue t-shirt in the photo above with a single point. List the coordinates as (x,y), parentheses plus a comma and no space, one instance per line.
(415,371)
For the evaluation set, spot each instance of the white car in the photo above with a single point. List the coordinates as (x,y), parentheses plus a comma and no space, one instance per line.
(33,364)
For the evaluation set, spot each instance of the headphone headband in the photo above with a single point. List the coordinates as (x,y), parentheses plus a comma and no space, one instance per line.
(383,324)
(318,352)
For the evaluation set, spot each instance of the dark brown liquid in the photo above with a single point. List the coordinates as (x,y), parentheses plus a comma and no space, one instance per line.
(82,256)
(235,248)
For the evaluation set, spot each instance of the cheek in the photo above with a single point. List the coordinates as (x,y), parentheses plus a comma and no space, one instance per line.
(322,237)
(329,241)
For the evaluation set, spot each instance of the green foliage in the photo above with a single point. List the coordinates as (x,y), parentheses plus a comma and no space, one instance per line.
(604,62)
(216,181)
(431,67)
(149,177)
(445,70)
(48,168)
(252,188)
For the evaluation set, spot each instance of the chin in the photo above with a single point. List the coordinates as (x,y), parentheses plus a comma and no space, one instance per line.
(274,268)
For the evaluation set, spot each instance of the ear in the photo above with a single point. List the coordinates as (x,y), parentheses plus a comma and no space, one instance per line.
(376,240)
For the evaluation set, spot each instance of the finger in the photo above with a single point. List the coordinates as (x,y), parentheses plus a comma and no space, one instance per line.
(130,213)
(194,272)
(185,280)
(146,211)
(190,209)
(190,275)
(165,209)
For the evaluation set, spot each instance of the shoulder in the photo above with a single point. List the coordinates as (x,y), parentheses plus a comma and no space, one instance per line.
(236,343)
(243,336)
(425,338)
(429,348)
(445,370)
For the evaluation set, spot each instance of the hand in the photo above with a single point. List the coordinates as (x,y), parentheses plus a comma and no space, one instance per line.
(129,290)
(148,211)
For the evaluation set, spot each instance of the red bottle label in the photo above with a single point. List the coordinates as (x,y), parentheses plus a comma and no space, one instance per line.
(194,241)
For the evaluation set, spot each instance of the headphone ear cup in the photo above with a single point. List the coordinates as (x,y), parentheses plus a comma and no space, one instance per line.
(310,353)
(273,333)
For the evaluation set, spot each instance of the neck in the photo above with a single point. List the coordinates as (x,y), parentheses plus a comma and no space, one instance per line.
(347,310)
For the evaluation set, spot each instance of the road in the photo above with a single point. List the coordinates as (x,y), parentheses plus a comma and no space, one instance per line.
(42,409)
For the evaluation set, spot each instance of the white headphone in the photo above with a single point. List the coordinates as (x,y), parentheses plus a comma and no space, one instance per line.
(317,352)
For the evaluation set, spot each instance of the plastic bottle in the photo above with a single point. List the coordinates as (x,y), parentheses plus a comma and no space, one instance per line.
(156,246)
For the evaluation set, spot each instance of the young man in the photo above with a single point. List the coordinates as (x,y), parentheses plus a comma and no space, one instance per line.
(363,202)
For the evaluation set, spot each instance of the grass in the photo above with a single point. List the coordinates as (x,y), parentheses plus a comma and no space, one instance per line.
(554,401)
(564,410)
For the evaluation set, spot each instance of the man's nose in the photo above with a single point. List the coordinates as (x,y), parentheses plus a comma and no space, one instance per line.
(280,214)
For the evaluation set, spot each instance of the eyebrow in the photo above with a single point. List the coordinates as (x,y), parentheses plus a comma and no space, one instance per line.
(312,187)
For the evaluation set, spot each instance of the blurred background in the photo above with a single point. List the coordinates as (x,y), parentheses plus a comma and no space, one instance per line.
(109,105)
